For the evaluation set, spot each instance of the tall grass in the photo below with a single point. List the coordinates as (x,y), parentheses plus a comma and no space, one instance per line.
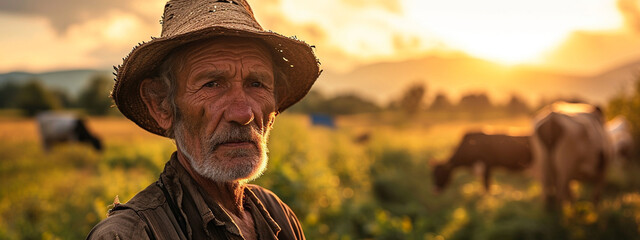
(339,185)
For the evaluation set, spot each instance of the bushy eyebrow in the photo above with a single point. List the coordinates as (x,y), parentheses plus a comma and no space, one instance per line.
(261,75)
(221,74)
(212,74)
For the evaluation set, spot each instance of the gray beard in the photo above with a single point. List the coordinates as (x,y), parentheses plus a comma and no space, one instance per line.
(249,166)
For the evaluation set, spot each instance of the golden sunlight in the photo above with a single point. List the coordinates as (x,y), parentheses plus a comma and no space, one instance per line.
(510,32)
(120,28)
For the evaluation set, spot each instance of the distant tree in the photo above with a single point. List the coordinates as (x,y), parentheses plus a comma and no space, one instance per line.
(628,106)
(95,98)
(311,103)
(316,102)
(63,98)
(347,104)
(411,100)
(475,102)
(441,102)
(516,105)
(8,94)
(33,98)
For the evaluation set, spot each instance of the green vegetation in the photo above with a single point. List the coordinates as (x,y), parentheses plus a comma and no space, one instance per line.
(370,178)
(33,97)
(95,99)
(339,187)
(316,102)
(628,105)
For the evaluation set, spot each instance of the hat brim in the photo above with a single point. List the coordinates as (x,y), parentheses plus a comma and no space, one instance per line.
(294,57)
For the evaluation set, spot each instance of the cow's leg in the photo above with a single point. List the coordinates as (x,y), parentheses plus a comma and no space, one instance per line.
(550,192)
(568,194)
(563,183)
(550,133)
(46,145)
(597,191)
(487,178)
(549,183)
(599,178)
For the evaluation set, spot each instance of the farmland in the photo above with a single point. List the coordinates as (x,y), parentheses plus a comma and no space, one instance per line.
(369,178)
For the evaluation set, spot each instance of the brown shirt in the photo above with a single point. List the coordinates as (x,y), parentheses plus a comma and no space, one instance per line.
(174,207)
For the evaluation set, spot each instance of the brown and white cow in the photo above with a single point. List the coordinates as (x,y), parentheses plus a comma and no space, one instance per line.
(570,143)
(488,151)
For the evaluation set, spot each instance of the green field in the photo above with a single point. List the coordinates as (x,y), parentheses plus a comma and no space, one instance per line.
(339,187)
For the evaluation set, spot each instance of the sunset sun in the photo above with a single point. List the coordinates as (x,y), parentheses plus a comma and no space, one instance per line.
(509,32)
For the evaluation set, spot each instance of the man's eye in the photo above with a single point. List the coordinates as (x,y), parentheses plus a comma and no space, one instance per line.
(211,84)
(256,84)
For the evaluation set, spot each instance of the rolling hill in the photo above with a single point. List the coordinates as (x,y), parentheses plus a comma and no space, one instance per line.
(70,81)
(453,76)
(459,75)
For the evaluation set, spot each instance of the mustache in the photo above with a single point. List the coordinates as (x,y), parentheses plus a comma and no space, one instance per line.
(235,134)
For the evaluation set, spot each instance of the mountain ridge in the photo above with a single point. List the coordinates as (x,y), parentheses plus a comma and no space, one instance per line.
(454,76)
(71,81)
(457,76)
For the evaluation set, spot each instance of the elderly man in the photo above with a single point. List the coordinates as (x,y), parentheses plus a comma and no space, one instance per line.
(214,82)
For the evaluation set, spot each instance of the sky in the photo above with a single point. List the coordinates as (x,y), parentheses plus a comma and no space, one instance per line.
(577,36)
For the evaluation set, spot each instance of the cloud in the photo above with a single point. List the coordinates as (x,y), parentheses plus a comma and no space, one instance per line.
(95,33)
(64,13)
(630,10)
(347,33)
(598,51)
(393,6)
(34,45)
(594,52)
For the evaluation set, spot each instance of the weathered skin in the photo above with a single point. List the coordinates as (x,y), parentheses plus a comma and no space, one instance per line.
(224,84)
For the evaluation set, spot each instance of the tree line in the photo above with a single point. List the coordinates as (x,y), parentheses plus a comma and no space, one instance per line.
(411,101)
(628,105)
(33,97)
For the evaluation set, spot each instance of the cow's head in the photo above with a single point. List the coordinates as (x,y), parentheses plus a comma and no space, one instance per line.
(441,176)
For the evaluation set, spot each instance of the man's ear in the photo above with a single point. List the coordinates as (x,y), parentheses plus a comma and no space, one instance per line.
(154,96)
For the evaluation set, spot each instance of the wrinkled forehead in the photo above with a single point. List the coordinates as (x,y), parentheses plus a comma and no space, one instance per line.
(227,46)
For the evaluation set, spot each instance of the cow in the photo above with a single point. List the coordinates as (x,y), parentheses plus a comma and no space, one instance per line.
(59,127)
(619,131)
(489,151)
(570,143)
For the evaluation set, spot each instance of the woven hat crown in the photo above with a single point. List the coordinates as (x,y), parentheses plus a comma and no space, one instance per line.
(183,16)
(188,21)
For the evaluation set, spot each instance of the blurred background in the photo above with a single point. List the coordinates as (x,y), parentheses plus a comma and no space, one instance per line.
(403,81)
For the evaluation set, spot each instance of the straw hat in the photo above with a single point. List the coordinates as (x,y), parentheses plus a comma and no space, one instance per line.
(186,21)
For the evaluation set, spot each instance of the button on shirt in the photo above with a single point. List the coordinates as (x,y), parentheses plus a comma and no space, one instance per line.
(175,207)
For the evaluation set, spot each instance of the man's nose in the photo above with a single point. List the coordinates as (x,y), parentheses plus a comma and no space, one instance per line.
(238,110)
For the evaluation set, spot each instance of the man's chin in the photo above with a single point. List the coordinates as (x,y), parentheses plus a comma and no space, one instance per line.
(233,167)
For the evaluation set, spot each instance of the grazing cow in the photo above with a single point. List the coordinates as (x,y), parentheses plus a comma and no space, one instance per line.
(570,143)
(362,138)
(64,127)
(489,151)
(619,131)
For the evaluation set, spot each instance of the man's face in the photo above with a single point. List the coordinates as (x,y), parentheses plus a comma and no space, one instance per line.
(225,108)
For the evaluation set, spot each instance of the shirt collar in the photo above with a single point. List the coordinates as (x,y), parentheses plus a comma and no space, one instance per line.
(179,182)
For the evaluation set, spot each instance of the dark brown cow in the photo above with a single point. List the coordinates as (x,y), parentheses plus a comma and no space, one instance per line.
(490,151)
